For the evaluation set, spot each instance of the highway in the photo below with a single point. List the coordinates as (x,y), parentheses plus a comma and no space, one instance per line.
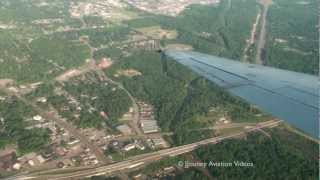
(133,162)
(263,31)
(225,126)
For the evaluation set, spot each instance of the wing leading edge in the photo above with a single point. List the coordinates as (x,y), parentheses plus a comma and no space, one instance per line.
(288,95)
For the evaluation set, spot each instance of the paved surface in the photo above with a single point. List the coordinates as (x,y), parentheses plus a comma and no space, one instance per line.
(263,31)
(53,115)
(134,162)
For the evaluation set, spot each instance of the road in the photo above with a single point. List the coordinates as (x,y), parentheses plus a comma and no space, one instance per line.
(53,115)
(252,39)
(133,162)
(135,120)
(134,123)
(143,136)
(92,67)
(226,126)
(263,31)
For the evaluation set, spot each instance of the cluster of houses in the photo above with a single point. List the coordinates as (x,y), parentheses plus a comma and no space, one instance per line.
(168,7)
(64,150)
(134,145)
(163,173)
(126,146)
(104,9)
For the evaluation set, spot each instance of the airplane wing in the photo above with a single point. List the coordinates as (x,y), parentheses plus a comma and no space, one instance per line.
(288,95)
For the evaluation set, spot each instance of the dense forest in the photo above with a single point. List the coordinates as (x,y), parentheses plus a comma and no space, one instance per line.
(40,60)
(106,36)
(43,56)
(219,30)
(21,11)
(98,95)
(283,155)
(13,116)
(293,36)
(179,96)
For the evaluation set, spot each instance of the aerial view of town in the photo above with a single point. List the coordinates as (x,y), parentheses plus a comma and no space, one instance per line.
(133,89)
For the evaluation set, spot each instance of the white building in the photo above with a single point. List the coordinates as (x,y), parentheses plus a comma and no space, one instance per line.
(149,126)
(129,147)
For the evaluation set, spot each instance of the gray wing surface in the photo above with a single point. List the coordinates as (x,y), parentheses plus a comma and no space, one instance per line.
(288,95)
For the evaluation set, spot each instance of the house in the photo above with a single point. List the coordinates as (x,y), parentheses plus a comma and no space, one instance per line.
(129,147)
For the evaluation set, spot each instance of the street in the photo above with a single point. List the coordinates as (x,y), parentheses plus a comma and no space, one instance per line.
(136,161)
